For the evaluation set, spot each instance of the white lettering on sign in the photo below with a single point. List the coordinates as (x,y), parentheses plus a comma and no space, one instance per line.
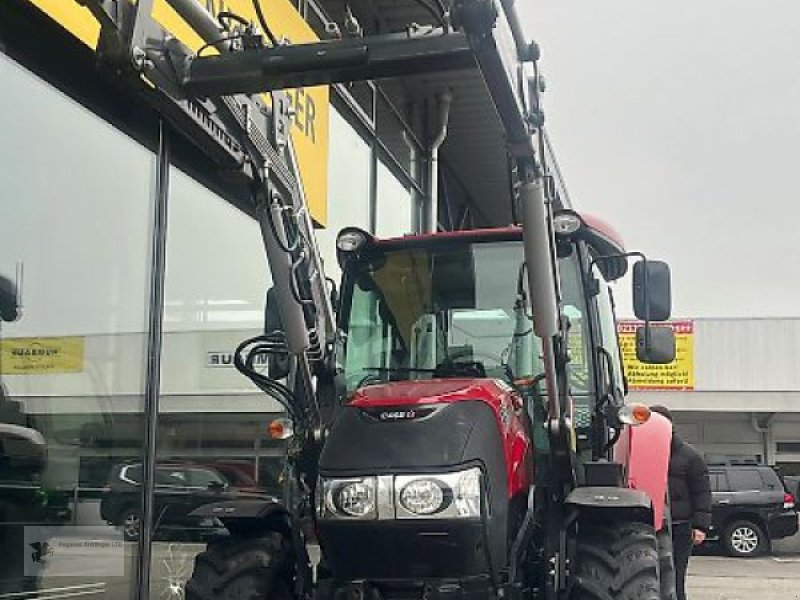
(225,359)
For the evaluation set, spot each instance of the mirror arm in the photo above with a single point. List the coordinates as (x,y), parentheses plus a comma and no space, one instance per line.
(646,284)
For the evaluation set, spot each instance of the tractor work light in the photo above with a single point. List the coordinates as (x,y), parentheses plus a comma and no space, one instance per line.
(454,495)
(351,239)
(566,222)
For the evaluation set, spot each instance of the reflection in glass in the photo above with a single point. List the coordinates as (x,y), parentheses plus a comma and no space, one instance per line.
(72,364)
(213,440)
(394,210)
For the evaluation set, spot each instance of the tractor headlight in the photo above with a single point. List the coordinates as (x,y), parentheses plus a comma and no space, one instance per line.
(455,495)
(424,496)
(442,496)
(349,498)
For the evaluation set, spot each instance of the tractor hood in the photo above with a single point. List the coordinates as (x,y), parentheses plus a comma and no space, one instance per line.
(432,391)
(418,425)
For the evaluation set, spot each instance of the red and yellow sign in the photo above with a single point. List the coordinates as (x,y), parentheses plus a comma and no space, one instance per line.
(310,131)
(677,375)
(41,355)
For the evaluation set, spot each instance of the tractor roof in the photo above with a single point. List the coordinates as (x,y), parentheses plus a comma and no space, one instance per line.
(598,234)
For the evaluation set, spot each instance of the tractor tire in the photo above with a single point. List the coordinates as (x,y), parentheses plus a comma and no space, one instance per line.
(666,561)
(616,561)
(243,569)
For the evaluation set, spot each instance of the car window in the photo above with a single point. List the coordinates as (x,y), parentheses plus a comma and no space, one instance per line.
(719,483)
(171,477)
(745,480)
(131,474)
(204,478)
(771,480)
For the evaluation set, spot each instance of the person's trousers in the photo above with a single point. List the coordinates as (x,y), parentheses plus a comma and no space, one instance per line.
(682,550)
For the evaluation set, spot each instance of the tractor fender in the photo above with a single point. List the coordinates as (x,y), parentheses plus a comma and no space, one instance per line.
(258,511)
(648,462)
(613,503)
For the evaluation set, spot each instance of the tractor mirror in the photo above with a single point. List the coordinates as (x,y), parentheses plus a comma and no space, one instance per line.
(652,294)
(9,310)
(655,345)
(277,364)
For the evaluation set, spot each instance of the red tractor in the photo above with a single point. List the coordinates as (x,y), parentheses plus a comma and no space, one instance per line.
(446,470)
(458,417)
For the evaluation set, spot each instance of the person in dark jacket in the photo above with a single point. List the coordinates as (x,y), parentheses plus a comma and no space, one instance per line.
(690,501)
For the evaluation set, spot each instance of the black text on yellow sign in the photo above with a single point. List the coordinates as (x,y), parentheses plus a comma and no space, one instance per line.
(42,355)
(677,375)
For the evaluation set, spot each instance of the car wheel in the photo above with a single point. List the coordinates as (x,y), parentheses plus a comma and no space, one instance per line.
(131,522)
(744,538)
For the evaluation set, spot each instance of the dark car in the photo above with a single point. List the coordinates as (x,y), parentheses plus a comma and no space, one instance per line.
(751,507)
(179,489)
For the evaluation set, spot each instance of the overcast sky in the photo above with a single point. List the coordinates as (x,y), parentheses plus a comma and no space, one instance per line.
(679,122)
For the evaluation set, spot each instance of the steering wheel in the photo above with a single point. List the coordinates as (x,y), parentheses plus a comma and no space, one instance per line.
(472,356)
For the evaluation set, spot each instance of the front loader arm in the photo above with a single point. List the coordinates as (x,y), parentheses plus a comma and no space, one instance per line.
(212,100)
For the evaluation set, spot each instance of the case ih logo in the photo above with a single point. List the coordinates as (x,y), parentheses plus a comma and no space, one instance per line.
(392,415)
(397,415)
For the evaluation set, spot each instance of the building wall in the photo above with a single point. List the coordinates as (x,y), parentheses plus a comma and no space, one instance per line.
(746,398)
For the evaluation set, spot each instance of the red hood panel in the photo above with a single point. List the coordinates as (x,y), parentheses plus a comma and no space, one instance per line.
(504,402)
(430,391)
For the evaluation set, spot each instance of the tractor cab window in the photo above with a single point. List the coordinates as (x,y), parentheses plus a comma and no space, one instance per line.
(456,310)
(608,331)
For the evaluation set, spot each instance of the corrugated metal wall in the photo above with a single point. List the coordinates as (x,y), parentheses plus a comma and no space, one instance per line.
(747,355)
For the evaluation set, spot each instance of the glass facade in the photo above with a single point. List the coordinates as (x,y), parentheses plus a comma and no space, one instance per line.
(79,205)
(78,244)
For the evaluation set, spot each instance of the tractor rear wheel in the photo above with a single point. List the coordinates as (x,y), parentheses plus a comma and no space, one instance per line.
(616,561)
(243,569)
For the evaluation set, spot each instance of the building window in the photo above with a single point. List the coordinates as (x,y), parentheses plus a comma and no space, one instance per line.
(77,214)
(213,438)
(393,210)
(349,168)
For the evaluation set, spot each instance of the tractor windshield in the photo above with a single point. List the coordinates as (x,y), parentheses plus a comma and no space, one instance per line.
(448,310)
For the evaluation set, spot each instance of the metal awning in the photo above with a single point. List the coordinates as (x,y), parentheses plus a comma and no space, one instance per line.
(474,152)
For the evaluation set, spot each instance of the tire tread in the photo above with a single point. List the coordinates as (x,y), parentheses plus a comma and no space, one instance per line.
(616,561)
(242,569)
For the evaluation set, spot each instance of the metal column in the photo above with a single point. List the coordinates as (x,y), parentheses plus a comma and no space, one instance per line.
(153,370)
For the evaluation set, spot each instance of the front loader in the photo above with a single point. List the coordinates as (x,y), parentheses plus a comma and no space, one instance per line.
(457,425)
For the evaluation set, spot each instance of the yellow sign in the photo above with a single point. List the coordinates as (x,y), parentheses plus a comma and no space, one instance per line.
(310,130)
(41,356)
(677,375)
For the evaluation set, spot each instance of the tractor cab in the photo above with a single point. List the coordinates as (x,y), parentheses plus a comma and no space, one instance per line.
(456,305)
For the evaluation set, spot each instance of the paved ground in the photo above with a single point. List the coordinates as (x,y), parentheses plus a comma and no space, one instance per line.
(776,577)
(711,576)
(722,578)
